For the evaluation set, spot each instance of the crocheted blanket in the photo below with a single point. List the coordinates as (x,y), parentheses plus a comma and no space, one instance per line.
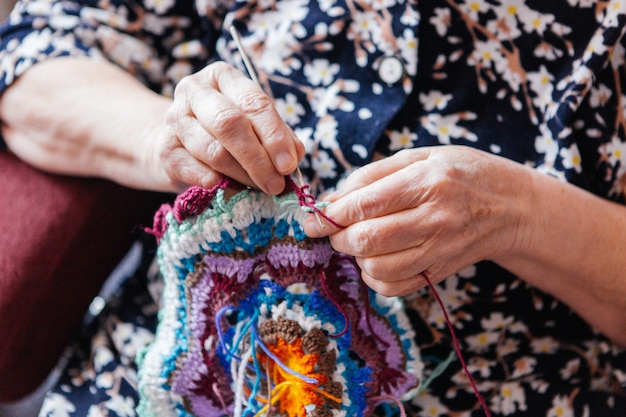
(258,317)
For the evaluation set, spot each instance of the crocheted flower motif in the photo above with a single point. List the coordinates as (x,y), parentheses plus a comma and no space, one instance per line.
(257,317)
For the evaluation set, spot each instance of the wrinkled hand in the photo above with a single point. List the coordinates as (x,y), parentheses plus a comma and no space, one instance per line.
(430,210)
(221,122)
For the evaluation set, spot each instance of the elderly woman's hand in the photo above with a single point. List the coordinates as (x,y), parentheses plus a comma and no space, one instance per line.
(221,122)
(429,210)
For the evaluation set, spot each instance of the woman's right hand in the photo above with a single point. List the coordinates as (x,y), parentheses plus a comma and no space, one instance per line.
(221,122)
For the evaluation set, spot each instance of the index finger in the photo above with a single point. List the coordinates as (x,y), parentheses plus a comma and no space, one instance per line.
(375,190)
(247,124)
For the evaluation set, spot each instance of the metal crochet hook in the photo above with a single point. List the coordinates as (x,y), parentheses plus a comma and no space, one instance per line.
(246,62)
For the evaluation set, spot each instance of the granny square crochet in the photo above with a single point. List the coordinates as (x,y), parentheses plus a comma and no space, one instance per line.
(258,319)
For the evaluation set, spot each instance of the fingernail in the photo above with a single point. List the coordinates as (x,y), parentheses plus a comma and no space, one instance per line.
(274,185)
(284,162)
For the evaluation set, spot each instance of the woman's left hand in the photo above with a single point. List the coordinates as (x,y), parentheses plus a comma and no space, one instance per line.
(428,211)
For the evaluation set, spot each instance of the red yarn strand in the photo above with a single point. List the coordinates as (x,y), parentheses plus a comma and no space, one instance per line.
(339,307)
(457,345)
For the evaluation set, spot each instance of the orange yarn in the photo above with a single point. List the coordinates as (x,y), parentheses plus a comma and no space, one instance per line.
(291,392)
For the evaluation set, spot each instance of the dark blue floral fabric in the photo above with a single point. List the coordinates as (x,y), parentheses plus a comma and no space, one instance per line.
(538,82)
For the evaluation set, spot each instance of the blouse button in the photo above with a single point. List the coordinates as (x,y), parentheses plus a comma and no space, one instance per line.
(390,70)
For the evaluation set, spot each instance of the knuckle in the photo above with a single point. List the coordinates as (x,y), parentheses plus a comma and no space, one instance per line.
(363,241)
(362,208)
(254,102)
(183,86)
(226,120)
(217,67)
(216,153)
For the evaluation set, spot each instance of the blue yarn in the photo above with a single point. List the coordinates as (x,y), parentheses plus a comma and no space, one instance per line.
(226,244)
(357,387)
(322,309)
(282,229)
(261,233)
(298,232)
(271,285)
(279,362)
(220,333)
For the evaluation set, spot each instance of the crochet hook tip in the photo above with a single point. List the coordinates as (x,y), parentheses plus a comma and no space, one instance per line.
(301,183)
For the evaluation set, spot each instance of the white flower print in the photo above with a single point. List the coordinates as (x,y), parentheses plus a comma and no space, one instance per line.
(441,21)
(561,407)
(401,140)
(540,82)
(508,346)
(451,297)
(327,6)
(613,12)
(306,137)
(430,406)
(123,406)
(474,7)
(512,398)
(262,23)
(434,100)
(324,100)
(505,26)
(467,272)
(95,411)
(321,72)
(188,50)
(176,72)
(446,127)
(545,144)
(536,22)
(523,366)
(159,6)
(292,11)
(56,405)
(289,109)
(102,357)
(544,345)
(63,22)
(582,3)
(410,17)
(324,165)
(570,369)
(481,342)
(571,158)
(600,95)
(596,46)
(496,321)
(408,49)
(131,339)
(156,24)
(547,51)
(277,53)
(616,150)
(105,380)
(365,27)
(34,43)
(326,133)
(486,53)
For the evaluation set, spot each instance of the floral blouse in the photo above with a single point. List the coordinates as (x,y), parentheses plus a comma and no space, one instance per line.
(536,82)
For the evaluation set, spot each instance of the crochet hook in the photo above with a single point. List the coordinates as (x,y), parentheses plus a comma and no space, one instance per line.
(250,68)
